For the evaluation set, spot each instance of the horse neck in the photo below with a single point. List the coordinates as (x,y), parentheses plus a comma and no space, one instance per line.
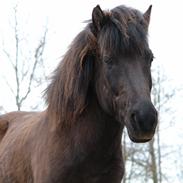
(96,124)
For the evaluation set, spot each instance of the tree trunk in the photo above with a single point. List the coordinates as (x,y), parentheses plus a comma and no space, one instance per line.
(153,162)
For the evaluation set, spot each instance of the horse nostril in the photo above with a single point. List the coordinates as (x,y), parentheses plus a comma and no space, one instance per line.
(135,120)
(133,117)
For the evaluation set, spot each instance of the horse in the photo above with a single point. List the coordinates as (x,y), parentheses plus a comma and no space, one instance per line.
(102,84)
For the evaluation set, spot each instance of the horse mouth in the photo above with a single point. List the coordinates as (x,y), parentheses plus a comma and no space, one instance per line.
(139,140)
(139,136)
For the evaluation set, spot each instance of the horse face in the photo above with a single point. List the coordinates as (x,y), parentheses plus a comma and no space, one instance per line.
(124,86)
(123,83)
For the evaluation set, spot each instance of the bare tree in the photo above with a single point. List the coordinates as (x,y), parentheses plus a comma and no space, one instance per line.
(24,68)
(160,99)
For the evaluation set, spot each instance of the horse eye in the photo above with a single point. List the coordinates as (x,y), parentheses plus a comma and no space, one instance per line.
(107,60)
(151,58)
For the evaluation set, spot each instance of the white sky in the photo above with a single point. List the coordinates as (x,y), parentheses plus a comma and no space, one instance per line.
(65,20)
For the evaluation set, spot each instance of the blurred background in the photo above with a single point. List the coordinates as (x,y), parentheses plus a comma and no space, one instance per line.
(34,35)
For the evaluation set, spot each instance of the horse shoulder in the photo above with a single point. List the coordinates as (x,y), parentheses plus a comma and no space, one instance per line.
(3,127)
(17,144)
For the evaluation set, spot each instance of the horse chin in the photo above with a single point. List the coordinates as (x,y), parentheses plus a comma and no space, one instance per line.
(139,137)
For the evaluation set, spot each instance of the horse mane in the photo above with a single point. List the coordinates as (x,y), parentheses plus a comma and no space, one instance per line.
(66,94)
(124,30)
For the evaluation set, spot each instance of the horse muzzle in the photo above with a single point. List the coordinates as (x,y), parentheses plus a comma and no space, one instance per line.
(142,122)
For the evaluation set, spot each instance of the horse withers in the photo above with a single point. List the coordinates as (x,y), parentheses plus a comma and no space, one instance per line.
(102,84)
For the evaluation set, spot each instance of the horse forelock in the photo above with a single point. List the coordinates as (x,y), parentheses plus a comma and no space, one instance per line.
(124,32)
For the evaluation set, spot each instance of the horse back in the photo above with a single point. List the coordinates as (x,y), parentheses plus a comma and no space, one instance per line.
(16,134)
(12,118)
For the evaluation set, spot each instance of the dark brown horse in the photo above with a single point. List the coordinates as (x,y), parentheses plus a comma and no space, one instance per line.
(102,84)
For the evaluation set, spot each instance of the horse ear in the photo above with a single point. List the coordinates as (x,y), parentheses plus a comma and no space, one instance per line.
(147,15)
(98,18)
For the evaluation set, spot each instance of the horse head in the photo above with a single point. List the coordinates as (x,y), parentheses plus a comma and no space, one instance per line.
(123,74)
